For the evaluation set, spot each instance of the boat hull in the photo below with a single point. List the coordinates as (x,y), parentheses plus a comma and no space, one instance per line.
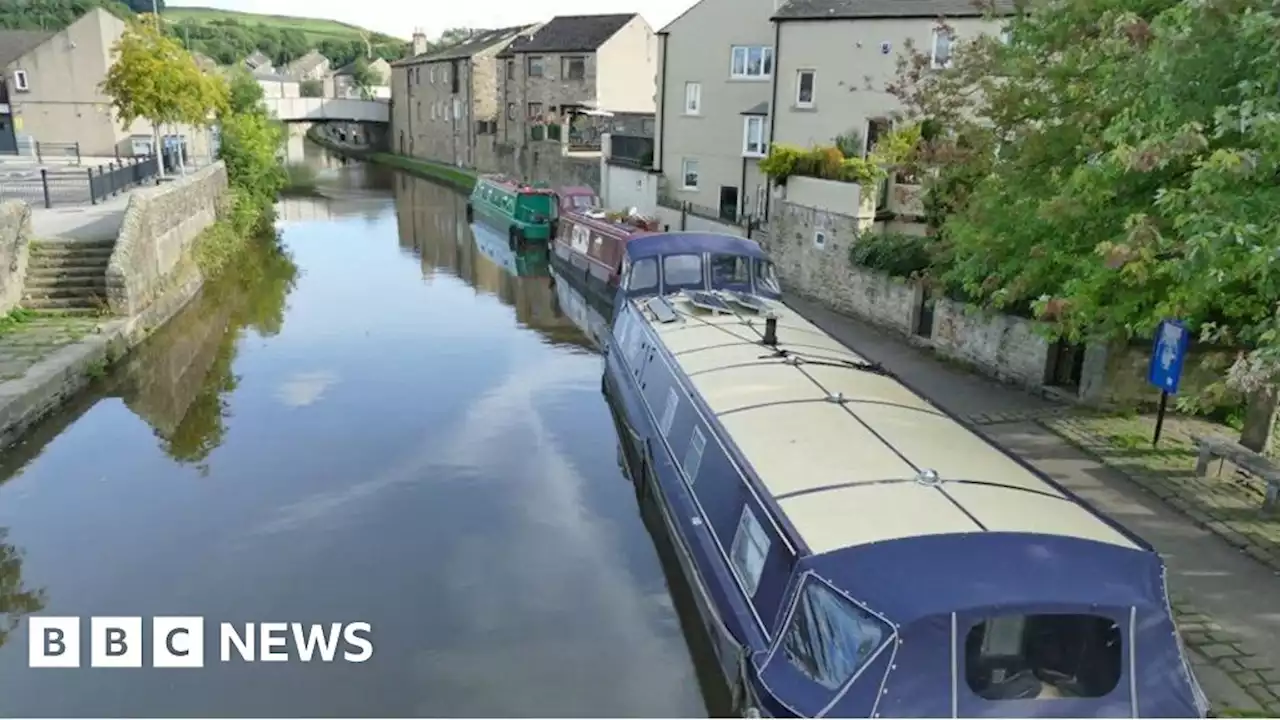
(722,630)
(577,271)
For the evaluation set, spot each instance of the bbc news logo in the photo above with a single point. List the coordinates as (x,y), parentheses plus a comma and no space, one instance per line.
(179,642)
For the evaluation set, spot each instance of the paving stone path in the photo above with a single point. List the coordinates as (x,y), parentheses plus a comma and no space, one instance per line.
(26,343)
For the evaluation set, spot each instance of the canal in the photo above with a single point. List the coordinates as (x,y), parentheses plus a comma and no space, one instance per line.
(372,420)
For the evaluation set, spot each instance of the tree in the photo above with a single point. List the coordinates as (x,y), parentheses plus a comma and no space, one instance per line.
(1115,164)
(311,88)
(16,600)
(154,78)
(364,78)
(245,94)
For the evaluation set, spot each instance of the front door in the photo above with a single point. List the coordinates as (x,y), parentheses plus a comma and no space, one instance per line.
(8,141)
(729,203)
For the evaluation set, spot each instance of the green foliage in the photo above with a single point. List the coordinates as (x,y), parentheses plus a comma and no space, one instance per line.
(229,36)
(463,180)
(54,14)
(897,254)
(250,144)
(830,162)
(14,319)
(311,88)
(153,78)
(363,77)
(245,94)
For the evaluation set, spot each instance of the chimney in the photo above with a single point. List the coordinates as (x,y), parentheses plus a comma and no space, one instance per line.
(419,41)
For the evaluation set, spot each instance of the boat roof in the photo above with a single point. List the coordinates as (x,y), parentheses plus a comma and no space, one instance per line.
(850,454)
(673,243)
(576,190)
(514,185)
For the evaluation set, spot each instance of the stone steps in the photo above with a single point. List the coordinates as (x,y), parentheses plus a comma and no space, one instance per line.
(67,275)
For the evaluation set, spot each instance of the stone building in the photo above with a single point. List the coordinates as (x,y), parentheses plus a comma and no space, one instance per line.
(572,65)
(445,102)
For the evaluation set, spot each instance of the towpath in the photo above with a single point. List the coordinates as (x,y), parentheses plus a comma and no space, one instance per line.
(1227,602)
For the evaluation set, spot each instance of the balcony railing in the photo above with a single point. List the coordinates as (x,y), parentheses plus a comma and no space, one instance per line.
(631,150)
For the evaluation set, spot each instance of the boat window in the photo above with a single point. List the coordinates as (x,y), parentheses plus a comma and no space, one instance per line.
(766,277)
(644,275)
(669,412)
(730,270)
(828,637)
(693,456)
(1021,657)
(586,201)
(681,271)
(750,548)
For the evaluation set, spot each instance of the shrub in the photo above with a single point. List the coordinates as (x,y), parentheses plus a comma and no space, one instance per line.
(898,254)
(249,146)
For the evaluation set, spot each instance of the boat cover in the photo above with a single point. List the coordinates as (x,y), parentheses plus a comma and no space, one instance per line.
(674,243)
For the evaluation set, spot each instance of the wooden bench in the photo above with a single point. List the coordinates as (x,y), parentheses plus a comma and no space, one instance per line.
(1242,457)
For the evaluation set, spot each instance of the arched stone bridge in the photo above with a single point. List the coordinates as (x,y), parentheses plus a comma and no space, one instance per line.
(329,109)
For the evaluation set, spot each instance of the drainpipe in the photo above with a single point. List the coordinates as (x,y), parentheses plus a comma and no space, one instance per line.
(742,197)
(773,104)
(662,95)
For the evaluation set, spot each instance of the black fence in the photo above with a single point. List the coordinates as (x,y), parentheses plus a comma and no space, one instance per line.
(61,186)
(631,150)
(749,224)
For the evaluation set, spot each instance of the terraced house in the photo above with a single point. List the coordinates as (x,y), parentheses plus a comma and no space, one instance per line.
(446,101)
(740,75)
(576,65)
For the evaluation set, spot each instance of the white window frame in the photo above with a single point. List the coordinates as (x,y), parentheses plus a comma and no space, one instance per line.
(685,165)
(21,83)
(749,531)
(457,109)
(820,239)
(766,58)
(813,87)
(939,34)
(1006,36)
(692,98)
(431,74)
(763,144)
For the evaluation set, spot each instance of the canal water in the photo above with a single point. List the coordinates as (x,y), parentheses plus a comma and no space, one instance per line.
(374,419)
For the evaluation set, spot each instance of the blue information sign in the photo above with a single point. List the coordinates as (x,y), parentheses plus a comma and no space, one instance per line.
(1167,355)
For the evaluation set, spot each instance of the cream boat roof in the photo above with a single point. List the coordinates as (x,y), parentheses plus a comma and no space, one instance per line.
(844,472)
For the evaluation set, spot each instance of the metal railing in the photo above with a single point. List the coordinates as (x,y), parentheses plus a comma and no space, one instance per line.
(585,137)
(61,186)
(46,151)
(631,150)
(727,216)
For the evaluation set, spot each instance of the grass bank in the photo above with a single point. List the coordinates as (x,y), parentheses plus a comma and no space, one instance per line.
(455,177)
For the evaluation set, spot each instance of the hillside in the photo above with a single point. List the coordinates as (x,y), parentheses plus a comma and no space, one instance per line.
(315,29)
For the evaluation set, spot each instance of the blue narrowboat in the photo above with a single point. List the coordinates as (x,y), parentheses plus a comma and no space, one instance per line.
(854,550)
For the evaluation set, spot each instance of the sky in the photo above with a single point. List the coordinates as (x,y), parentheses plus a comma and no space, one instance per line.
(400,17)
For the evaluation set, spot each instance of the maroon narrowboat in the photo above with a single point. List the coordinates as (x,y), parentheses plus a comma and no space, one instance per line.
(590,242)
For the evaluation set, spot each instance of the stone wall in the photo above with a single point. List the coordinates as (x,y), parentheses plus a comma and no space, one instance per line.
(545,161)
(159,227)
(15,238)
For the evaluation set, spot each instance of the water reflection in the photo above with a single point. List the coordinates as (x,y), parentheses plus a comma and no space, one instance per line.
(16,600)
(433,226)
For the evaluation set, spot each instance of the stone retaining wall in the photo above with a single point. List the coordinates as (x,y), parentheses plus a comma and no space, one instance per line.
(159,227)
(15,241)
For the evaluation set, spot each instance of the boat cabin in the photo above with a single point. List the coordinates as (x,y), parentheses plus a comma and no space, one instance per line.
(663,263)
(578,198)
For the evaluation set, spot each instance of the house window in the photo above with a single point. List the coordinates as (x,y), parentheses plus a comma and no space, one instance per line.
(535,66)
(753,141)
(805,80)
(431,74)
(457,109)
(417,75)
(751,62)
(434,108)
(689,174)
(1006,36)
(444,74)
(20,82)
(820,239)
(828,637)
(749,550)
(535,111)
(419,103)
(573,68)
(511,69)
(511,111)
(693,456)
(941,58)
(692,98)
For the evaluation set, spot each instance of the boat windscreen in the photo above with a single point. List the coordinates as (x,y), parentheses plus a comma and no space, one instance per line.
(766,278)
(681,272)
(730,272)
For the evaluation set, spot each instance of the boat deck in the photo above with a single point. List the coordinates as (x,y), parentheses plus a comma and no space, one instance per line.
(851,455)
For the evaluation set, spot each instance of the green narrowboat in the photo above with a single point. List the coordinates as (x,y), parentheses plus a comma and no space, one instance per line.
(522,213)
